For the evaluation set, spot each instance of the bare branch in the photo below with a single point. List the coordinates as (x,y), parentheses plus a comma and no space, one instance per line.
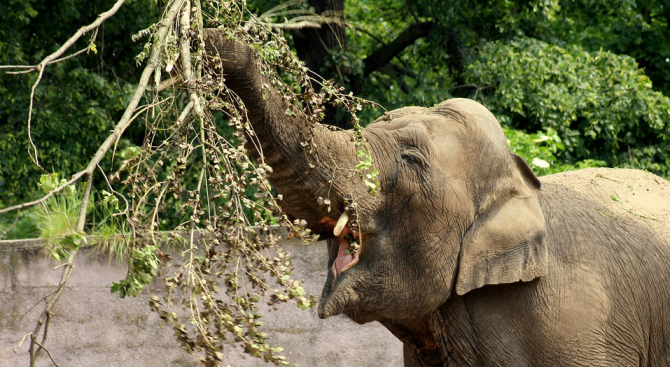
(185,22)
(122,125)
(32,68)
(82,31)
(48,353)
(45,317)
(168,83)
(295,25)
(42,65)
(304,18)
(22,72)
(184,114)
(51,193)
(17,67)
(370,34)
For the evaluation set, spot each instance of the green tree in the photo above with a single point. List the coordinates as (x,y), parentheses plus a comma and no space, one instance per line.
(394,52)
(543,66)
(600,103)
(77,101)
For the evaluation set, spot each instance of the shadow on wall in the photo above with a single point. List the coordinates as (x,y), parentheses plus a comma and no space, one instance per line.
(91,326)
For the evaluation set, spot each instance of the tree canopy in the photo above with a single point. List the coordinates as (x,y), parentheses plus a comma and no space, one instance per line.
(595,72)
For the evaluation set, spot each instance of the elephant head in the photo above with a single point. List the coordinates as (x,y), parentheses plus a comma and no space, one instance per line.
(456,209)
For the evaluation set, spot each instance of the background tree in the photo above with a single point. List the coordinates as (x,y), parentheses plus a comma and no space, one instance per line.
(395,52)
(400,52)
(80,98)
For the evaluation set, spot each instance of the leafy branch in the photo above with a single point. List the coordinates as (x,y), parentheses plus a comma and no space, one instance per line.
(42,327)
(194,168)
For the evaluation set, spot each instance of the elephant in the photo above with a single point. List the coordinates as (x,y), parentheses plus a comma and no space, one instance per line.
(464,254)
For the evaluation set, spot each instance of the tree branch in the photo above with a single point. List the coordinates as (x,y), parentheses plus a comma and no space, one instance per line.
(49,59)
(386,53)
(31,68)
(121,126)
(60,188)
(189,80)
(49,354)
(167,83)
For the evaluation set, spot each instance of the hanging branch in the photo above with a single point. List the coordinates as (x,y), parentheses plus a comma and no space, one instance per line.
(179,142)
(31,68)
(185,50)
(51,58)
(42,327)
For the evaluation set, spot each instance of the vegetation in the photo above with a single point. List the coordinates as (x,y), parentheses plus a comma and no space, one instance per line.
(575,84)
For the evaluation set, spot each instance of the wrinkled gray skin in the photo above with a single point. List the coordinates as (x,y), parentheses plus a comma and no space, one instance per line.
(466,256)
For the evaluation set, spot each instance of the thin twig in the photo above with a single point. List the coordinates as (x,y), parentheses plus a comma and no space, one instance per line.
(32,68)
(44,335)
(371,35)
(112,191)
(17,67)
(48,60)
(48,353)
(45,317)
(60,188)
(22,71)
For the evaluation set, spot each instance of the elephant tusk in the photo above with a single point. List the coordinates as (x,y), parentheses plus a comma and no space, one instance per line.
(344,218)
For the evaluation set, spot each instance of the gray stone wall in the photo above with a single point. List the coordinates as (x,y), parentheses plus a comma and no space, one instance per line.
(92,327)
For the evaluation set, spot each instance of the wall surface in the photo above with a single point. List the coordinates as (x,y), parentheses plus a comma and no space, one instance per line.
(92,327)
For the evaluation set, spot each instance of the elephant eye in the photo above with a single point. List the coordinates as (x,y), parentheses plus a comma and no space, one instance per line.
(409,158)
(413,157)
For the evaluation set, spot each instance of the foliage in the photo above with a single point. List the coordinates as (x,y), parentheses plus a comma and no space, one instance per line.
(422,76)
(55,221)
(540,150)
(425,72)
(555,47)
(195,166)
(184,166)
(81,97)
(144,266)
(57,218)
(635,28)
(599,103)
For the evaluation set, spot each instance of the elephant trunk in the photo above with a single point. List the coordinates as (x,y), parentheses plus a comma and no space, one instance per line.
(304,157)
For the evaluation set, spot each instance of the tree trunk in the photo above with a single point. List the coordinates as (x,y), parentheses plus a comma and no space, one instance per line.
(313,47)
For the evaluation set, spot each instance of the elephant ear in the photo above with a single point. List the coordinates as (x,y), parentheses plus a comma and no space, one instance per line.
(506,243)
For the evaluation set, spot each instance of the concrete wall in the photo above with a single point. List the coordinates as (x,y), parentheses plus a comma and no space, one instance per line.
(93,327)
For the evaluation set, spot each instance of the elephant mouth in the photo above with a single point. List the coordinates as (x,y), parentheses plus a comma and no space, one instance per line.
(348,252)
(348,242)
(344,250)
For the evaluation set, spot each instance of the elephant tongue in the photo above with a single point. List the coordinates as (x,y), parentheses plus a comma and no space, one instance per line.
(344,260)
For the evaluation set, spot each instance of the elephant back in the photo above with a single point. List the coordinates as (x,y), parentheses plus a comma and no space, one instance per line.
(623,193)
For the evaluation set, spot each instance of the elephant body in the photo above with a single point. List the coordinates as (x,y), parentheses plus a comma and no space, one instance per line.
(464,254)
(603,303)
